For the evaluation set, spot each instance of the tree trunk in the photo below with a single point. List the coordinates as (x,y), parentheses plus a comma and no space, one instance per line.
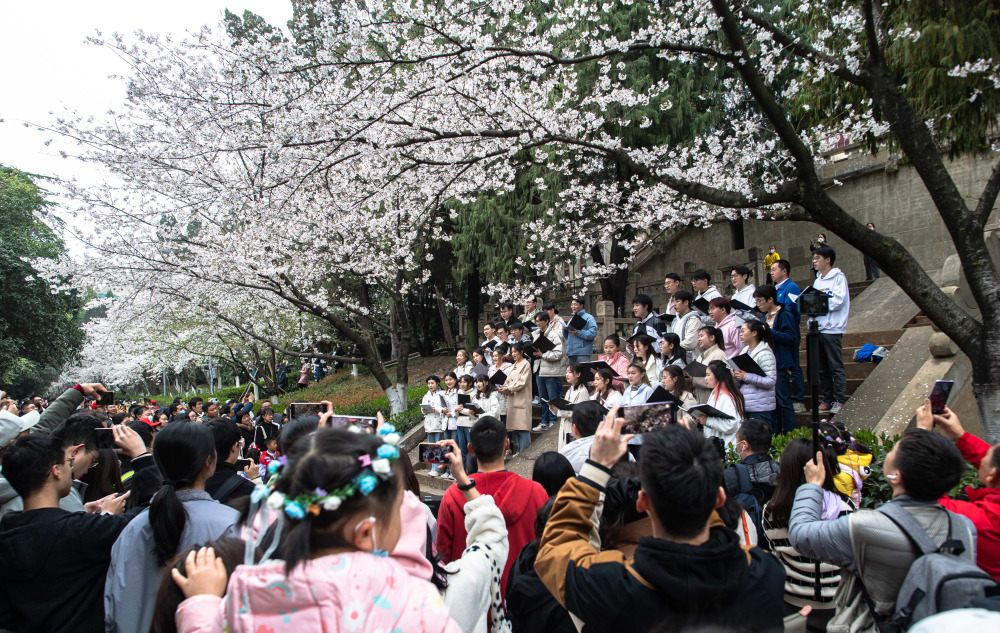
(614,286)
(988,402)
(368,331)
(449,338)
(473,299)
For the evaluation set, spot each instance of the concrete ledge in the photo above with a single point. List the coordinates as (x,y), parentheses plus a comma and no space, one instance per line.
(883,303)
(877,395)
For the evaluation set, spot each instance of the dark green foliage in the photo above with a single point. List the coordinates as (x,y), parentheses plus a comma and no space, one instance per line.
(39,327)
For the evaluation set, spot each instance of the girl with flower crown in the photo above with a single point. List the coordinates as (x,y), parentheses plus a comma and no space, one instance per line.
(338,496)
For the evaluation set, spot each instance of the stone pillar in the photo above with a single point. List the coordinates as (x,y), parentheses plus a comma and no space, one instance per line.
(604,314)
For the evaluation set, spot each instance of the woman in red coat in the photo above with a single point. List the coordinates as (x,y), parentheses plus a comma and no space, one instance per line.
(983,506)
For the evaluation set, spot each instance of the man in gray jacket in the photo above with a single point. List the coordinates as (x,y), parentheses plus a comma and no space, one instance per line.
(76,432)
(921,467)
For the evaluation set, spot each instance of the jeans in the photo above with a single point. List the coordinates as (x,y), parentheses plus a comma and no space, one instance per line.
(783,420)
(763,416)
(462,439)
(832,376)
(583,358)
(523,439)
(872,271)
(798,386)
(549,387)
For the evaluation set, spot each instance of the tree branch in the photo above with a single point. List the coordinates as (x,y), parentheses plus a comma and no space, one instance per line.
(989,197)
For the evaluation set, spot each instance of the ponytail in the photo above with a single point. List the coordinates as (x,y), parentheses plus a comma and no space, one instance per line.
(180,452)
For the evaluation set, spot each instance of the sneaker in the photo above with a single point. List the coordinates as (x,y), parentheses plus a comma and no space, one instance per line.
(540,427)
(536,402)
(507,455)
(434,473)
(448,476)
(837,406)
(799,407)
(824,407)
(515,455)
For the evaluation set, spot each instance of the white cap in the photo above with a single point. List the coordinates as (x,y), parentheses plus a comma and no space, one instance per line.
(30,419)
(10,427)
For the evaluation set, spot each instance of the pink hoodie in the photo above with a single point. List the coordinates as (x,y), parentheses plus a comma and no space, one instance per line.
(357,591)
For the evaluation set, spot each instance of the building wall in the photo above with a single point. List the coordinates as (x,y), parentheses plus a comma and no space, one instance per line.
(872,189)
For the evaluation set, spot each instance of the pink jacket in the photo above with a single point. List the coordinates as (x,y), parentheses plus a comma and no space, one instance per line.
(356,591)
(731,335)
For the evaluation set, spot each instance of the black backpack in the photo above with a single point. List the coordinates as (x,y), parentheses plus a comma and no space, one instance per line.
(752,498)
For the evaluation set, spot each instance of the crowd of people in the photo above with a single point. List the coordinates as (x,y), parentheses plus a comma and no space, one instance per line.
(334,534)
(205,516)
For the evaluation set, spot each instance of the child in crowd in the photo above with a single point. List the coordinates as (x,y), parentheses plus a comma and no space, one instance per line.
(340,495)
(271,453)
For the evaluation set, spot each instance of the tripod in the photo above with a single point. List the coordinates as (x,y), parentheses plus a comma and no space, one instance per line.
(812,371)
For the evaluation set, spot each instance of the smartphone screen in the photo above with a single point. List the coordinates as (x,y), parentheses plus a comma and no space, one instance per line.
(105,438)
(108,397)
(297,409)
(939,396)
(647,417)
(365,423)
(434,454)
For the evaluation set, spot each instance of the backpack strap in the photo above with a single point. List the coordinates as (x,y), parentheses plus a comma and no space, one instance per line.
(916,532)
(229,487)
(743,478)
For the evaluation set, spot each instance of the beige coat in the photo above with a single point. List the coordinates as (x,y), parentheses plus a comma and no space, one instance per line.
(519,400)
(701,388)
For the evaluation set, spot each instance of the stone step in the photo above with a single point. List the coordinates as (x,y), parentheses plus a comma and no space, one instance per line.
(846,355)
(918,321)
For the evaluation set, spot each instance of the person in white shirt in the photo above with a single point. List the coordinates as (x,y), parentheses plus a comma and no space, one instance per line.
(604,392)
(687,323)
(638,390)
(740,276)
(832,376)
(727,399)
(671,284)
(701,283)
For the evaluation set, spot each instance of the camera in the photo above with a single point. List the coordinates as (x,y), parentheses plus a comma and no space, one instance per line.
(814,303)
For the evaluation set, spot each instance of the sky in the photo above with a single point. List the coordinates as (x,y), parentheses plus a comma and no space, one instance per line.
(50,70)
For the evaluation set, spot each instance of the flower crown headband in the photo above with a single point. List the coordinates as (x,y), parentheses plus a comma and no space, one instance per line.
(376,469)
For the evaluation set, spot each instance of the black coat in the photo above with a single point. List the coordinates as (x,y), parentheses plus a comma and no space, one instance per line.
(530,606)
(53,564)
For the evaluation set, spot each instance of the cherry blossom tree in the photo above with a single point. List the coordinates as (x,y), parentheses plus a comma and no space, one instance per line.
(301,168)
(471,84)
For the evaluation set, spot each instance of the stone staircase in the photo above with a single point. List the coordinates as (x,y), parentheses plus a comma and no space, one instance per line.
(856,375)
(852,342)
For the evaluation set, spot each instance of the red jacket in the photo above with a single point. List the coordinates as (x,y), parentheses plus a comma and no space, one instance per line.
(983,508)
(518,499)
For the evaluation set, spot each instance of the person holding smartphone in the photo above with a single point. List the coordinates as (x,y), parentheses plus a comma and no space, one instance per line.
(983,506)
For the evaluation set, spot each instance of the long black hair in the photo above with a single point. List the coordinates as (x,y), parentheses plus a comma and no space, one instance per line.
(181,451)
(328,459)
(790,476)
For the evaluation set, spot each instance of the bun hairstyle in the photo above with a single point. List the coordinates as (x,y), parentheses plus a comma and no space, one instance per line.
(181,451)
(332,460)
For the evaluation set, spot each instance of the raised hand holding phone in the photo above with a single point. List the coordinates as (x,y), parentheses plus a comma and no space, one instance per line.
(609,444)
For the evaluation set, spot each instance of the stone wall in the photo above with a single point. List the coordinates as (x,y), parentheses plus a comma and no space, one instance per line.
(873,189)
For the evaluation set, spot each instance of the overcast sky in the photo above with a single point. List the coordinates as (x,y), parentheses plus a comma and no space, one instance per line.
(48,68)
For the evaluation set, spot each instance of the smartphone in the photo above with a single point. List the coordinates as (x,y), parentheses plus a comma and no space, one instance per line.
(297,409)
(645,418)
(105,438)
(366,423)
(939,396)
(242,463)
(108,397)
(433,454)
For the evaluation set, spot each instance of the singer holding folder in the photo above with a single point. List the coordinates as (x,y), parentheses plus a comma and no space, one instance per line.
(757,390)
